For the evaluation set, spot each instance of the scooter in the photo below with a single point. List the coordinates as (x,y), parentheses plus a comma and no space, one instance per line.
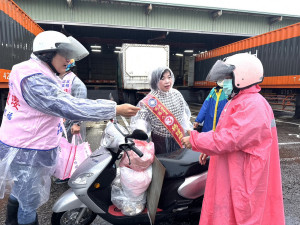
(90,185)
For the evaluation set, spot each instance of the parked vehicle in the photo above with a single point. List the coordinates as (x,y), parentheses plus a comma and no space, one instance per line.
(278,50)
(90,185)
(136,62)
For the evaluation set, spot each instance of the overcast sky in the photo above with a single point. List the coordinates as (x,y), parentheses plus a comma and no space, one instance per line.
(284,7)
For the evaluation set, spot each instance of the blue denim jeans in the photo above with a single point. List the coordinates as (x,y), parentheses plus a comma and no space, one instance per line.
(30,172)
(24,217)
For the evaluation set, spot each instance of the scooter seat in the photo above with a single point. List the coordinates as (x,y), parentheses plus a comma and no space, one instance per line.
(182,163)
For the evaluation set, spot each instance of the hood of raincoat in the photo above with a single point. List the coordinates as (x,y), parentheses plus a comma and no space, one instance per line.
(156,75)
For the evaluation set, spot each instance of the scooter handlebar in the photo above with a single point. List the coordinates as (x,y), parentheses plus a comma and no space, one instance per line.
(137,151)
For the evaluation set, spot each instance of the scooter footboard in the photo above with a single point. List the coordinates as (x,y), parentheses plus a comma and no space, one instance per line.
(67,201)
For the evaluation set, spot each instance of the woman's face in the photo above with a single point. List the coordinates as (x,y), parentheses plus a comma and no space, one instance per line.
(60,63)
(166,82)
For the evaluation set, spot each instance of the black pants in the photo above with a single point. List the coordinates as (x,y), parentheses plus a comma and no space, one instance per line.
(164,145)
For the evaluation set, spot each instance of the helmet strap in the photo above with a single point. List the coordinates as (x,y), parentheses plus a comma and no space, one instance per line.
(47,58)
(235,90)
(53,68)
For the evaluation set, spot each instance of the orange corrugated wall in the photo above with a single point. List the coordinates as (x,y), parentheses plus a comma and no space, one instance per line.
(259,40)
(263,39)
(10,8)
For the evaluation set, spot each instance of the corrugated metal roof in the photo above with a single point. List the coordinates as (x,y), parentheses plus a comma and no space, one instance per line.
(116,14)
(237,7)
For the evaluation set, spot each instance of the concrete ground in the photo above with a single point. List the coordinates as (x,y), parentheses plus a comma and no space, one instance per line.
(289,142)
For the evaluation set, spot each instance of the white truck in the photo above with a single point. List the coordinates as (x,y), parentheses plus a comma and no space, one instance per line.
(136,62)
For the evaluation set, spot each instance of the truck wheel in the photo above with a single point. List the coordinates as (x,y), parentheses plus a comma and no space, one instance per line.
(69,217)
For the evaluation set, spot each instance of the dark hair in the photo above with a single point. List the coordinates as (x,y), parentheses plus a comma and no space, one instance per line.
(162,74)
(47,57)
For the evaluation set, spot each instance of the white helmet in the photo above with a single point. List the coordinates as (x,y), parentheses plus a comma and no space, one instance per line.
(48,41)
(246,69)
(53,41)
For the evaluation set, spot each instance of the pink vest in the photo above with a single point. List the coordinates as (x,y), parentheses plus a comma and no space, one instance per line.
(67,81)
(23,126)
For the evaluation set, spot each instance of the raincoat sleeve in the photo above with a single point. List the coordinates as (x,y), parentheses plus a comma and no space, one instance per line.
(247,128)
(186,120)
(78,89)
(203,110)
(141,120)
(45,95)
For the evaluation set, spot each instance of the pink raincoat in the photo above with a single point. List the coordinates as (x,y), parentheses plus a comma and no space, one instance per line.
(244,181)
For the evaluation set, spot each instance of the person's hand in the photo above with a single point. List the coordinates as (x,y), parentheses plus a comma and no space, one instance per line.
(186,142)
(196,124)
(127,110)
(202,158)
(75,129)
(188,132)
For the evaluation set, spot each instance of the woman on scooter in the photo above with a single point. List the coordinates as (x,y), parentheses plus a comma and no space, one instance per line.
(31,125)
(164,113)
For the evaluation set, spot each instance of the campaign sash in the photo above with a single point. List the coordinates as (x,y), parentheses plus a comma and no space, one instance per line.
(165,117)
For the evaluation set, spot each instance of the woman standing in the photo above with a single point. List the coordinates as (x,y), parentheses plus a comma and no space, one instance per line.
(31,125)
(164,113)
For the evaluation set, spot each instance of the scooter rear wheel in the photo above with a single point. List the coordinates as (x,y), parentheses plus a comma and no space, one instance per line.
(69,217)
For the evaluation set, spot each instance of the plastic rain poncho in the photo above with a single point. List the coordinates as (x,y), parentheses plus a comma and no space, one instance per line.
(30,169)
(244,182)
(78,90)
(147,121)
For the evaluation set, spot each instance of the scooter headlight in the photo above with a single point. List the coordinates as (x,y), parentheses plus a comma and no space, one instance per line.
(82,178)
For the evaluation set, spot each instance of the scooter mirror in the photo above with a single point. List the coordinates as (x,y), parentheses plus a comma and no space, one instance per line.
(138,134)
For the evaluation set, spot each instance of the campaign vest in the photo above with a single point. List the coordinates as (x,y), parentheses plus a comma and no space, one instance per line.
(23,126)
(67,81)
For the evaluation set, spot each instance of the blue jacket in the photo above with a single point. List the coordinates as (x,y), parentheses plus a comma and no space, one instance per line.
(212,109)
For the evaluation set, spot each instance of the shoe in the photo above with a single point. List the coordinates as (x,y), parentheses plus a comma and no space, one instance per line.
(12,212)
(59,181)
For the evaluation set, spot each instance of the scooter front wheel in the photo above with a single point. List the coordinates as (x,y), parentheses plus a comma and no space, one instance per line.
(69,217)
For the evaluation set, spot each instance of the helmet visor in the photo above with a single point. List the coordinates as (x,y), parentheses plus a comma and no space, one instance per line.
(220,71)
(73,50)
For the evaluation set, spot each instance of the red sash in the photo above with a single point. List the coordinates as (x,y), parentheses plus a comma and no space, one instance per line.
(165,116)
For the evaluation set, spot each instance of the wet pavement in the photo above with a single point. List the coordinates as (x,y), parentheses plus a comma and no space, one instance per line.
(289,145)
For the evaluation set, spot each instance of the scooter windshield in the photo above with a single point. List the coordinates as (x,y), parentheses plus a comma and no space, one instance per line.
(73,50)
